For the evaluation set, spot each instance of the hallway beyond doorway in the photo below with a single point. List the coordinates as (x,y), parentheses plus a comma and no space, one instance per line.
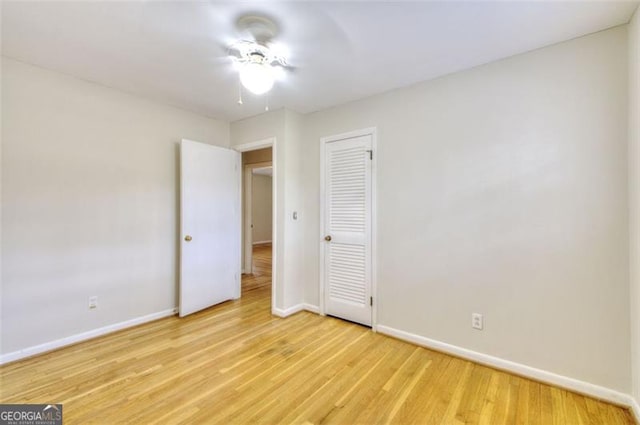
(261,277)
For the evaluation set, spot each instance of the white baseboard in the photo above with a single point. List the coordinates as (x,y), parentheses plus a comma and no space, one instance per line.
(261,242)
(312,308)
(565,382)
(73,339)
(635,409)
(294,309)
(288,311)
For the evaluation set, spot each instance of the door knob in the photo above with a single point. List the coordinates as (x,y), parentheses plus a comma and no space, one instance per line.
(327,238)
(188,238)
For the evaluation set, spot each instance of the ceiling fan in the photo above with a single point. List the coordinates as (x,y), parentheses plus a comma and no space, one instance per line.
(257,58)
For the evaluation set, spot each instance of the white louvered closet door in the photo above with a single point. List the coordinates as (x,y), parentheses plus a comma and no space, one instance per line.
(347,223)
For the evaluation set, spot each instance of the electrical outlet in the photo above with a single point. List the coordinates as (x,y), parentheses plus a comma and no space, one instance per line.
(477,321)
(93,302)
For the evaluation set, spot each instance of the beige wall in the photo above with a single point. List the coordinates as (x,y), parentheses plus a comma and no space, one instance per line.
(89,203)
(1,148)
(261,206)
(502,190)
(295,230)
(634,196)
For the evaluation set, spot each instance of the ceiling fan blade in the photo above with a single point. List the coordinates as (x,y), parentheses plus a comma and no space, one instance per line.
(290,69)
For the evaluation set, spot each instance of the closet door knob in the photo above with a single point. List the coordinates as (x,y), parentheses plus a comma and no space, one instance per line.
(188,238)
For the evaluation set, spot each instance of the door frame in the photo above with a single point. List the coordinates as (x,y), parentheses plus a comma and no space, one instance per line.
(369,131)
(248,215)
(270,142)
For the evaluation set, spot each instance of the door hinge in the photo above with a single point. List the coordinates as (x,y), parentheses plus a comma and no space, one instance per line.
(371,301)
(370,153)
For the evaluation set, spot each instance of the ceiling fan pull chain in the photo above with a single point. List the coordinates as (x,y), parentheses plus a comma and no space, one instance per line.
(266,108)
(239,92)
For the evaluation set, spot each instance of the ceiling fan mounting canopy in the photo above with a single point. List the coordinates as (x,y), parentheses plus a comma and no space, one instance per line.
(262,28)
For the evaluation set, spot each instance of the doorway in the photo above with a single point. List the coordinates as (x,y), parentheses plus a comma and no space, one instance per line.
(258,220)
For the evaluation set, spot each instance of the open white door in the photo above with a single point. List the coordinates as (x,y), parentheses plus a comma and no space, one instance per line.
(347,216)
(209,226)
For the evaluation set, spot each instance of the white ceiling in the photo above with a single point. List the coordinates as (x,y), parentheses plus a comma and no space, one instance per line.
(174,52)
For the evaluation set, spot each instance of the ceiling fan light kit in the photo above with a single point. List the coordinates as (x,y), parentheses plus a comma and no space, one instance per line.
(256,75)
(257,63)
(258,79)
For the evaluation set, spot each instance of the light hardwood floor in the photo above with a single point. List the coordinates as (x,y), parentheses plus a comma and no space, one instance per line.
(261,277)
(236,363)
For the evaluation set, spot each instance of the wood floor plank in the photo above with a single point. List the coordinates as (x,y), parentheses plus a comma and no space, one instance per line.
(235,363)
